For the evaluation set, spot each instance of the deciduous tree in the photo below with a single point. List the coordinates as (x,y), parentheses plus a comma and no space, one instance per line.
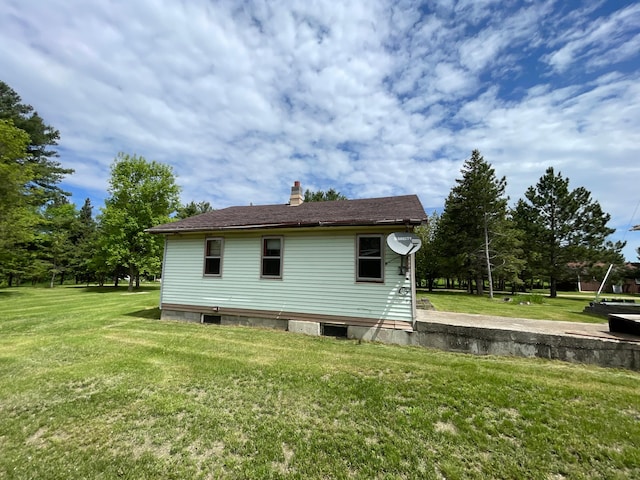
(56,246)
(142,194)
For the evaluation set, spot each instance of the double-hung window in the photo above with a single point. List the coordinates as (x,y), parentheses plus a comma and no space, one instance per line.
(271,262)
(213,257)
(369,258)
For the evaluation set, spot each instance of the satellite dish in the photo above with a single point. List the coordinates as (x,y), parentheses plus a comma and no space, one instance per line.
(404,243)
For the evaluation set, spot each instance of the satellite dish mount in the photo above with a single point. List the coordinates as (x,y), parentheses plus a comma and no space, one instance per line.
(404,244)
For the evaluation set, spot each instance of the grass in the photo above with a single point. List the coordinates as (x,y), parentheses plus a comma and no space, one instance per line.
(94,385)
(566,307)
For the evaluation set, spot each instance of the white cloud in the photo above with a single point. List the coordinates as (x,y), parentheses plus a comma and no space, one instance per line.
(371,98)
(601,42)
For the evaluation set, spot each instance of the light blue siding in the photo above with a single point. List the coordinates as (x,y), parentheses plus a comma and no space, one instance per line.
(318,276)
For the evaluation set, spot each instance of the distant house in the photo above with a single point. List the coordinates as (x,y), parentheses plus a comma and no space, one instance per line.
(628,285)
(310,267)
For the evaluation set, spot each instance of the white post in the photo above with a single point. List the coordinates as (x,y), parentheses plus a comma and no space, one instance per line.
(603,282)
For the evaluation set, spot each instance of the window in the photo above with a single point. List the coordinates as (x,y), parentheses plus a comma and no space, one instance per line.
(369,258)
(213,257)
(213,319)
(271,257)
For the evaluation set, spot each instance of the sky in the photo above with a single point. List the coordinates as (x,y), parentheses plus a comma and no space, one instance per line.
(371,98)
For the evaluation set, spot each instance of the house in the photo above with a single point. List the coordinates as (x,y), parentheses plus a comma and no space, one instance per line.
(629,284)
(316,267)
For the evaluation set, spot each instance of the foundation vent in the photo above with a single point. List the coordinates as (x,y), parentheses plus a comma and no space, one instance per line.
(332,330)
(211,319)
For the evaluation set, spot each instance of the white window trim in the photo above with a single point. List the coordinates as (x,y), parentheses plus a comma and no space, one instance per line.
(281,257)
(204,265)
(360,279)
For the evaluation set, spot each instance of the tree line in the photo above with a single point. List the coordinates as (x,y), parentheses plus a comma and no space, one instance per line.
(551,233)
(45,237)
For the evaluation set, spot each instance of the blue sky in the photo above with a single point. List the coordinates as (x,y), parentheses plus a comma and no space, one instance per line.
(372,98)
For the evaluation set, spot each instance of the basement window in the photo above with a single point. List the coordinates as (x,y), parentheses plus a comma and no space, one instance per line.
(331,330)
(211,319)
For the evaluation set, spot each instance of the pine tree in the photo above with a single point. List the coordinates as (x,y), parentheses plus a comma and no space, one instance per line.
(45,172)
(192,208)
(475,215)
(29,178)
(322,196)
(561,227)
(84,239)
(17,217)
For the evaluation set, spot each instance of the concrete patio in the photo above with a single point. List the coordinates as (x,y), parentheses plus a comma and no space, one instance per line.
(488,335)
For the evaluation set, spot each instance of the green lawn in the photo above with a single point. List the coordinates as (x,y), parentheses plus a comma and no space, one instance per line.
(93,385)
(567,306)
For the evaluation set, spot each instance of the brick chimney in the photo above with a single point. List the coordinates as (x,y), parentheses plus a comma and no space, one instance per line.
(296,195)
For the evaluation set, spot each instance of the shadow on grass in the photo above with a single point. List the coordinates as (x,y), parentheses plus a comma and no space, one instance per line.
(119,288)
(4,293)
(149,313)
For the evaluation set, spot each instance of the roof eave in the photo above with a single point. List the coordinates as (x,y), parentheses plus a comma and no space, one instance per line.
(346,223)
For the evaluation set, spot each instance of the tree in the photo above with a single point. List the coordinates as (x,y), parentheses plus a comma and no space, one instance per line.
(322,196)
(475,215)
(30,176)
(44,171)
(16,216)
(192,208)
(561,227)
(428,258)
(507,254)
(84,239)
(142,194)
(56,244)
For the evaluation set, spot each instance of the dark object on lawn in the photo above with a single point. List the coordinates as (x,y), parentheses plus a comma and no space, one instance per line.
(621,323)
(614,305)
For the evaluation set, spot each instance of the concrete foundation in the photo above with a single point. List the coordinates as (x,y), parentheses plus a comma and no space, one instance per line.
(278,324)
(383,335)
(307,328)
(180,315)
(571,348)
(590,343)
(477,334)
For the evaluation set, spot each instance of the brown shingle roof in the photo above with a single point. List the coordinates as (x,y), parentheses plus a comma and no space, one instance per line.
(400,210)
